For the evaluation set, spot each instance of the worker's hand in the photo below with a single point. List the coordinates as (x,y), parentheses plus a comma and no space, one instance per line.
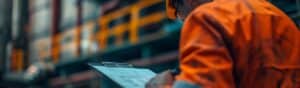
(162,80)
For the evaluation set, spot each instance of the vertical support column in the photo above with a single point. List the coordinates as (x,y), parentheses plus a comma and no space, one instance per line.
(103,35)
(55,43)
(133,31)
(19,34)
(17,54)
(5,35)
(78,27)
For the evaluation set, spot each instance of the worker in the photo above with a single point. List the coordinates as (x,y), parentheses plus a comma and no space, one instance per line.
(233,44)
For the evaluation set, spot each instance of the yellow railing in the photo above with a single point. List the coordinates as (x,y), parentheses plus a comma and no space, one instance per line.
(118,31)
(132,26)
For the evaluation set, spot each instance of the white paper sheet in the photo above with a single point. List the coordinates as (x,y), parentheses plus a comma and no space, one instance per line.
(127,77)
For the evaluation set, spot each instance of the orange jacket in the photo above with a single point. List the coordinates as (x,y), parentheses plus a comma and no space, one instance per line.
(240,44)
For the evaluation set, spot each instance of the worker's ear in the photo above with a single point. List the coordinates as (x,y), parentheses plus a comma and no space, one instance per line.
(170,10)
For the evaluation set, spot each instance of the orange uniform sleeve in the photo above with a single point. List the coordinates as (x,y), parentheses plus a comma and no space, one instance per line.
(205,59)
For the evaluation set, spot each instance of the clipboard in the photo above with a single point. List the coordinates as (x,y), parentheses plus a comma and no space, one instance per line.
(124,74)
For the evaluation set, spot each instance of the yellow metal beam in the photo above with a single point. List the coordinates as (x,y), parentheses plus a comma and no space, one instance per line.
(116,14)
(126,10)
(153,18)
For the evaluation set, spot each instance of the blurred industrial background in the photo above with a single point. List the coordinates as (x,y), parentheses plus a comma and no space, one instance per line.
(47,43)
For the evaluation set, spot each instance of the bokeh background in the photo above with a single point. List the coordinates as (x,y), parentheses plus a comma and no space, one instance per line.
(47,43)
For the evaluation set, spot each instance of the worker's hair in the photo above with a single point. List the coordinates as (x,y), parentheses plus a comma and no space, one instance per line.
(176,3)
